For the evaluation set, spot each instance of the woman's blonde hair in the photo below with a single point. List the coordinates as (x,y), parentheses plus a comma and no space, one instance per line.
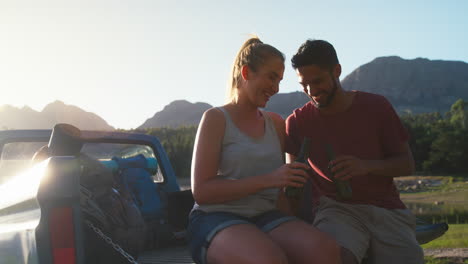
(253,53)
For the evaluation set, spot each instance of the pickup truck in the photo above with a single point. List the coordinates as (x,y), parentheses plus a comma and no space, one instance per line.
(40,202)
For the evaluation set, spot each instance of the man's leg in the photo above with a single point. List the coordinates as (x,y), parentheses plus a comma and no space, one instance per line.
(346,224)
(347,257)
(394,239)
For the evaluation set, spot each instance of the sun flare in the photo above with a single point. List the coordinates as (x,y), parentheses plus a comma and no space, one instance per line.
(23,186)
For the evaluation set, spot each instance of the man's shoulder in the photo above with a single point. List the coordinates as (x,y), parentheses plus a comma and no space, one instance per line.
(307,108)
(372,99)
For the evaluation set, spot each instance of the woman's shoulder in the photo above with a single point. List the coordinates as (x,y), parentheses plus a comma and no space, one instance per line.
(275,117)
(278,121)
(215,111)
(213,115)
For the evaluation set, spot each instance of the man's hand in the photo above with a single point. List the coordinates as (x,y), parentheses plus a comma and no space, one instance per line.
(346,167)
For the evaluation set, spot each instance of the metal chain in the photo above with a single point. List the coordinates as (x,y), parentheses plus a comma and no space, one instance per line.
(112,243)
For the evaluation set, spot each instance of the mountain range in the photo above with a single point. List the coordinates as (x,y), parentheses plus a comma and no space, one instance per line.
(178,113)
(57,112)
(416,86)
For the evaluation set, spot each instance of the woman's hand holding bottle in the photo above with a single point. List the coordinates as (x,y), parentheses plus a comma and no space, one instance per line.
(293,174)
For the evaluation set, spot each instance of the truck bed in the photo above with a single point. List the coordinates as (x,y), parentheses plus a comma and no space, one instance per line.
(179,255)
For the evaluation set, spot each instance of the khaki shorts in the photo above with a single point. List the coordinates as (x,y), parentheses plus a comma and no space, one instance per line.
(376,234)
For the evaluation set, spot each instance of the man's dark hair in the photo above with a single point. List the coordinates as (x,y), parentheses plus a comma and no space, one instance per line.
(315,52)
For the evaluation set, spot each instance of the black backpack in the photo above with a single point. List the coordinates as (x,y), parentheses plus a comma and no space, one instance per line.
(106,206)
(111,218)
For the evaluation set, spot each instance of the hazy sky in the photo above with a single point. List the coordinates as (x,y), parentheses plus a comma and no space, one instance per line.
(126,60)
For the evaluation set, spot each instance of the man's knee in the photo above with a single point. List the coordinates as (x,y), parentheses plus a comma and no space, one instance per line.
(347,257)
(411,253)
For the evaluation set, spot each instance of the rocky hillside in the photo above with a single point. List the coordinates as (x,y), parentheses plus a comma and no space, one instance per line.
(418,85)
(56,112)
(415,86)
(285,103)
(178,113)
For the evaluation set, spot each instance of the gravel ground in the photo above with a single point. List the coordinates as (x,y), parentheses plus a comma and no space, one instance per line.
(454,255)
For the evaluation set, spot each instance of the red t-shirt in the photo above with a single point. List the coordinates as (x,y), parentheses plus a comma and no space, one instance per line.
(369,129)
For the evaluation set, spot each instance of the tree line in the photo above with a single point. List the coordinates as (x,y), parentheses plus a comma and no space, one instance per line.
(439,142)
(178,144)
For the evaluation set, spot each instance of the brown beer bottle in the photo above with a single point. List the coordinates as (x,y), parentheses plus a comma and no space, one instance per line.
(343,187)
(303,156)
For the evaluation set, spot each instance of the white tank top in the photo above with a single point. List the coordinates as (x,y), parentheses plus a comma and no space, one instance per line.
(243,156)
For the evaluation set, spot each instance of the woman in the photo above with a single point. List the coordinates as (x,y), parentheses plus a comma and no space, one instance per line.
(238,169)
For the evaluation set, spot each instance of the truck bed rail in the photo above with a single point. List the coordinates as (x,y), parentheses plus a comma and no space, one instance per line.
(179,255)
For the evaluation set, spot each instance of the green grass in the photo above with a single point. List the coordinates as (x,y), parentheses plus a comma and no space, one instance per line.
(443,203)
(453,190)
(455,237)
(431,260)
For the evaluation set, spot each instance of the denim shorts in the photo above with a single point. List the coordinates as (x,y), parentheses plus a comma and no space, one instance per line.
(203,227)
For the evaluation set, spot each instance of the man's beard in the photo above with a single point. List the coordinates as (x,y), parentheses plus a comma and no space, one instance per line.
(330,97)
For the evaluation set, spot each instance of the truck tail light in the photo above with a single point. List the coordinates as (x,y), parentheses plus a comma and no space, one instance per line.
(62,235)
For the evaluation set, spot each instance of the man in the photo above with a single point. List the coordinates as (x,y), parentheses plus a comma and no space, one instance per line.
(371,147)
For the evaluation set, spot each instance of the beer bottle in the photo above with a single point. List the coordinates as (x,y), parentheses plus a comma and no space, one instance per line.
(343,187)
(303,156)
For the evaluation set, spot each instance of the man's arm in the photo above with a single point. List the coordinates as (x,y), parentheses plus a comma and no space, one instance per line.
(399,164)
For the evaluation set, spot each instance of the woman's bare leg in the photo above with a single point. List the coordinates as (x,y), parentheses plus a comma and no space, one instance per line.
(304,244)
(244,244)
